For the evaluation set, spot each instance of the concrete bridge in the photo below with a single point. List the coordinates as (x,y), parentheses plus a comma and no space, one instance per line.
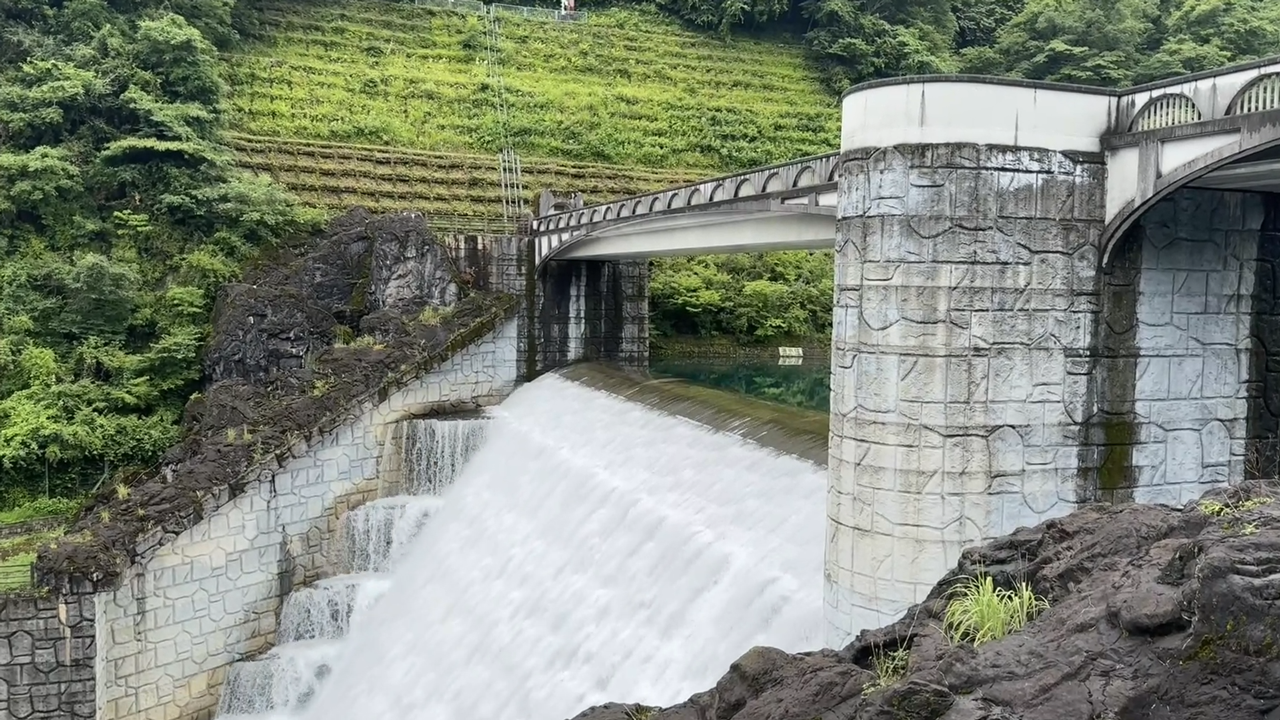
(1045,294)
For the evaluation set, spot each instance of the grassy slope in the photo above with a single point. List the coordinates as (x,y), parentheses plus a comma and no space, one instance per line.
(626,102)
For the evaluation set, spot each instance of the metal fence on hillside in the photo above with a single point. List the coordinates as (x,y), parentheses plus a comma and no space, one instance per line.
(472,225)
(15,574)
(541,13)
(471,6)
(477,7)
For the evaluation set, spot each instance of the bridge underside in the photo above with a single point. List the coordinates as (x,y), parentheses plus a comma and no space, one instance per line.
(710,232)
(1258,172)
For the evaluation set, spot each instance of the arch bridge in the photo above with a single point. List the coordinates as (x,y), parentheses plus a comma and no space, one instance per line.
(1045,295)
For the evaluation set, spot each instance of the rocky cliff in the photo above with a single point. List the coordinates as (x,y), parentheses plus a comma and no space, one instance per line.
(1151,613)
(294,345)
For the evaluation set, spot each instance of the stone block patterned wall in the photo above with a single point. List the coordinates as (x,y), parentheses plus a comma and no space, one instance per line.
(965,297)
(211,596)
(47,648)
(1175,349)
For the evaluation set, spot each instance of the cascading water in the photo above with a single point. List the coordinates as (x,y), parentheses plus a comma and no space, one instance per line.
(592,550)
(315,620)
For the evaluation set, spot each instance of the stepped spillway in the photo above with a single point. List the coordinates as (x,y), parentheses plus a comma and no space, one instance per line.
(426,456)
(590,550)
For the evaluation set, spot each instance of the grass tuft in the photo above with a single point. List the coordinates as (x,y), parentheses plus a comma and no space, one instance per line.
(979,612)
(890,666)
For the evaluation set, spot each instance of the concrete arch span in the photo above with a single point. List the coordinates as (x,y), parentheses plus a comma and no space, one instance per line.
(750,226)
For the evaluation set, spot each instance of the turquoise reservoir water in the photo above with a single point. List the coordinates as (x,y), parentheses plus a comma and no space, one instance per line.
(807,385)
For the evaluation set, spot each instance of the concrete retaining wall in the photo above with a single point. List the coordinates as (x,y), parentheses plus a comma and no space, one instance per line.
(211,597)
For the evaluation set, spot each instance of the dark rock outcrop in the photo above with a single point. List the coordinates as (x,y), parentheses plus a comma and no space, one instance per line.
(1153,613)
(408,267)
(274,374)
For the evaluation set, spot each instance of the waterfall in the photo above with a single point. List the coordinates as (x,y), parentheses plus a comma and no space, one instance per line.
(375,534)
(324,611)
(591,550)
(434,451)
(428,456)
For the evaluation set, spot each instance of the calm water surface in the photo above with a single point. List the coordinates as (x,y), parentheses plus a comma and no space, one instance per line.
(807,385)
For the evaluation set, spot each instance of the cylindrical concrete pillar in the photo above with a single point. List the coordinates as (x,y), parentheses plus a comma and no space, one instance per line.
(965,300)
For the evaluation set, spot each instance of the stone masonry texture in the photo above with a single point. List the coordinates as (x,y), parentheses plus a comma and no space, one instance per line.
(989,372)
(209,598)
(965,295)
(1175,349)
(47,648)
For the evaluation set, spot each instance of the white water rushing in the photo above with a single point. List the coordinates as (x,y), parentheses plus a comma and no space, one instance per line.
(592,550)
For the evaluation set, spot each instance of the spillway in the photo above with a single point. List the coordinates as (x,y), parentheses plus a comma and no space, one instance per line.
(426,456)
(591,549)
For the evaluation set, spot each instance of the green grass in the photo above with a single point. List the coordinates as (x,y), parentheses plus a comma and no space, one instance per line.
(889,666)
(625,88)
(15,572)
(18,553)
(39,509)
(979,612)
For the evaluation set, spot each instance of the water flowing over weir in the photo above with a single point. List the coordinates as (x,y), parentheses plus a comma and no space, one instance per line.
(422,457)
(591,550)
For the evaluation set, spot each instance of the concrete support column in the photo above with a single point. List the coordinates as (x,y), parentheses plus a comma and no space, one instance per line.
(592,310)
(965,297)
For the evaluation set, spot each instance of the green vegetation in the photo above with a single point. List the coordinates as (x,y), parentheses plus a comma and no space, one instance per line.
(120,214)
(890,666)
(761,297)
(1229,512)
(124,203)
(625,87)
(19,552)
(979,612)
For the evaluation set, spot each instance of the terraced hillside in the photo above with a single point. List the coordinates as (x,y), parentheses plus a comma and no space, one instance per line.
(336,177)
(624,102)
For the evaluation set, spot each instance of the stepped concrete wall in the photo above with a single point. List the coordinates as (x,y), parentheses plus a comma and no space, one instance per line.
(210,597)
(47,649)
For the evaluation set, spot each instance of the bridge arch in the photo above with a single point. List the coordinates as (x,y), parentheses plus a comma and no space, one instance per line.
(674,201)
(655,204)
(1163,111)
(807,176)
(695,197)
(717,192)
(1250,143)
(746,187)
(772,183)
(1260,94)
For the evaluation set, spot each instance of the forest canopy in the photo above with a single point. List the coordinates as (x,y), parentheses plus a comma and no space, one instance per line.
(120,214)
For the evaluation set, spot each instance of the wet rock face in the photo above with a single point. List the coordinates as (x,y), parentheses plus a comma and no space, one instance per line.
(364,273)
(259,331)
(1154,613)
(408,267)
